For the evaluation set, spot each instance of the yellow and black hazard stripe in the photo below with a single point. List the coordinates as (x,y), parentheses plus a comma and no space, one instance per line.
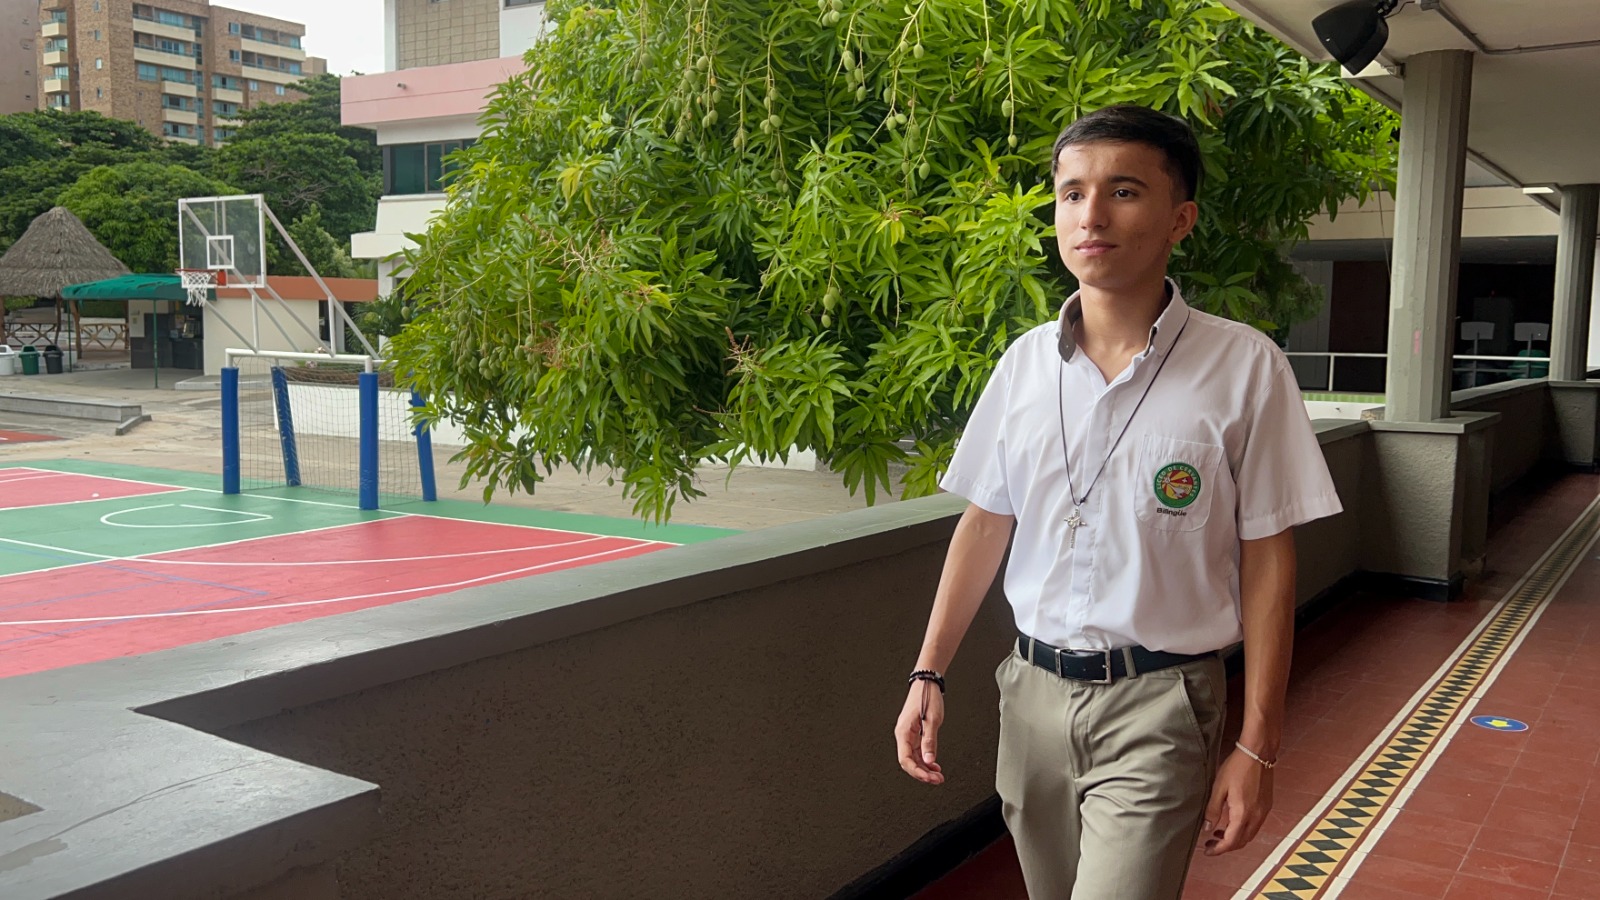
(1322,850)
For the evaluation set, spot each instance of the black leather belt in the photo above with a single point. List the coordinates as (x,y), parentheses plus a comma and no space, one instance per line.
(1100,666)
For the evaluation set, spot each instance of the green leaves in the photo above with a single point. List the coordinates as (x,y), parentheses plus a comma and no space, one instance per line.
(704,230)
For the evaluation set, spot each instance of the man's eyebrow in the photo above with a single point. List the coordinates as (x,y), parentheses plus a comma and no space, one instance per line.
(1115,179)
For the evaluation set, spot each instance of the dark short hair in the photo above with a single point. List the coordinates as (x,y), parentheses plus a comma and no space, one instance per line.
(1129,124)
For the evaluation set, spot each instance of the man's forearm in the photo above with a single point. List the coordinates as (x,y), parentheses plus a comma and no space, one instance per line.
(976,549)
(1266,599)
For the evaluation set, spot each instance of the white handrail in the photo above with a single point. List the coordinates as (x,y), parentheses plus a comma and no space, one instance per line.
(1333,357)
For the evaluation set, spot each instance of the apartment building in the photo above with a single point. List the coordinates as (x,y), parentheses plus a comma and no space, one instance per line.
(181,68)
(442,59)
(19,82)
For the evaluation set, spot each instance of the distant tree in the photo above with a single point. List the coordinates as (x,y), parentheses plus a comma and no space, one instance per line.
(297,172)
(299,153)
(318,113)
(132,208)
(325,252)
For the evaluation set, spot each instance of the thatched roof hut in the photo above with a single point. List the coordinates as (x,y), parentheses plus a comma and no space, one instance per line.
(55,251)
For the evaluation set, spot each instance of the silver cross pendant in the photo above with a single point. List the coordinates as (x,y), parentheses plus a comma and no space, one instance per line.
(1074,522)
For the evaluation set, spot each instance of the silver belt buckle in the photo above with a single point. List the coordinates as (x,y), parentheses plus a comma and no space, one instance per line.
(1104,653)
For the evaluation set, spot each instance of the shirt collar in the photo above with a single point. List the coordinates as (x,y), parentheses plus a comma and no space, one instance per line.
(1162,333)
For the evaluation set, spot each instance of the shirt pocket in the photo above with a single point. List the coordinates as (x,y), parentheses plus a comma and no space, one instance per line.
(1176,480)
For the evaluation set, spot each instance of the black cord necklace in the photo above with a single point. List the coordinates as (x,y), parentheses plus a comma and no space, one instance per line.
(1075,521)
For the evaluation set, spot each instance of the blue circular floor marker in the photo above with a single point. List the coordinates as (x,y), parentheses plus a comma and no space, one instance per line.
(1499,723)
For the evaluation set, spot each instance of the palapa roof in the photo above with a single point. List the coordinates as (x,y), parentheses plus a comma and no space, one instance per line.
(55,251)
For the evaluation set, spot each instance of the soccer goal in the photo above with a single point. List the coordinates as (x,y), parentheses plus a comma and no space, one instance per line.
(327,422)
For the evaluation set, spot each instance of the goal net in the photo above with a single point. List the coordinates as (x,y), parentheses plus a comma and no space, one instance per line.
(326,422)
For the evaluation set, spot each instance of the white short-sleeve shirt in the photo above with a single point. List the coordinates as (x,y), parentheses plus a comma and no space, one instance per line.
(1221,450)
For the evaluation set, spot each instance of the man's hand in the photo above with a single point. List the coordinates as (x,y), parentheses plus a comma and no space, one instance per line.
(917,738)
(1240,801)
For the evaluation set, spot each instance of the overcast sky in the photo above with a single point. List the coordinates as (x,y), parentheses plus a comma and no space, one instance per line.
(347,33)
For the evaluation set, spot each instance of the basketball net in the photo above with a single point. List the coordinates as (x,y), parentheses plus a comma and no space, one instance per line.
(199,283)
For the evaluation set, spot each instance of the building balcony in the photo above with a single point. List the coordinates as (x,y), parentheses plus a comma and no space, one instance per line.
(180,116)
(56,58)
(182,140)
(54,29)
(271,76)
(281,51)
(179,88)
(57,85)
(227,96)
(162,29)
(163,58)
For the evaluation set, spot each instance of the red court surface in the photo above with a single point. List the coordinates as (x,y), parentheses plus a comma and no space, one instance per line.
(23,437)
(21,488)
(91,570)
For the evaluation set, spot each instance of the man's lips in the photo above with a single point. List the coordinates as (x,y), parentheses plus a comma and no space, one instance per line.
(1094,247)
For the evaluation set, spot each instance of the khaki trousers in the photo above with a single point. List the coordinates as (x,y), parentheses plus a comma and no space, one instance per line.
(1103,786)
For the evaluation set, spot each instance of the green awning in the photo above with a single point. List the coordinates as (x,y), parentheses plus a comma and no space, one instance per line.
(128,287)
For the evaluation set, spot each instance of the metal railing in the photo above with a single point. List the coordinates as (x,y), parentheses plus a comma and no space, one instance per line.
(1333,358)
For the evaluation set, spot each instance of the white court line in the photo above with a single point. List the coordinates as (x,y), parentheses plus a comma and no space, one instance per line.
(39,477)
(99,557)
(392,512)
(374,596)
(26,470)
(256,517)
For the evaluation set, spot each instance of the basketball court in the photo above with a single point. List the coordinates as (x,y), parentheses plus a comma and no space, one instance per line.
(100,561)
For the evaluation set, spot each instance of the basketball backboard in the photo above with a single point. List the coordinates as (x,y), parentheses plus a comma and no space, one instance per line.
(227,234)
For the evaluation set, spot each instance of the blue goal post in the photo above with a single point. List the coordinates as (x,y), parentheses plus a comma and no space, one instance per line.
(333,422)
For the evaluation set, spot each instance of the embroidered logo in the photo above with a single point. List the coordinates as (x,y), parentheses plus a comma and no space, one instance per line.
(1177,485)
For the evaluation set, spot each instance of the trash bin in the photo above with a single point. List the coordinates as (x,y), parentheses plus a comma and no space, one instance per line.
(29,358)
(8,360)
(52,360)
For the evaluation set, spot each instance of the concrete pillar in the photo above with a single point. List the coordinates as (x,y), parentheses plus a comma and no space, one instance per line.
(1427,235)
(1575,252)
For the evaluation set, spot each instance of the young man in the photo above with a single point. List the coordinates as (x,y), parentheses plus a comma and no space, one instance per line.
(1153,461)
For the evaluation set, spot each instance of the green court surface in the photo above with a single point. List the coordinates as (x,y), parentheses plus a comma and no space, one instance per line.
(196,512)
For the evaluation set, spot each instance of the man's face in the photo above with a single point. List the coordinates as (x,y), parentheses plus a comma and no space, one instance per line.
(1119,213)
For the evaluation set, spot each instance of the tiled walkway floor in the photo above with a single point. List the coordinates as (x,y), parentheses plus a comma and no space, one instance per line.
(1500,814)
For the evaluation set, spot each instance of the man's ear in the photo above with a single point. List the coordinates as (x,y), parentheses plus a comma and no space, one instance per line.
(1183,221)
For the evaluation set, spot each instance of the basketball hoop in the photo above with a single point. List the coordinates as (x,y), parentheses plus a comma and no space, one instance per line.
(199,283)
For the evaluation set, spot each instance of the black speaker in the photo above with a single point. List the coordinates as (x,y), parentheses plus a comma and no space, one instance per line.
(1354,32)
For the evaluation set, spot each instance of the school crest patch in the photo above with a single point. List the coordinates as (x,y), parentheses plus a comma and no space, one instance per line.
(1177,485)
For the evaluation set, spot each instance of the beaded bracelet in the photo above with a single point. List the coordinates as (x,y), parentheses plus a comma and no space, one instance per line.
(1266,764)
(927,675)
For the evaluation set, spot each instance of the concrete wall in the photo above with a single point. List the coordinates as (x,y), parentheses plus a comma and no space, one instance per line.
(736,747)
(298,320)
(1521,438)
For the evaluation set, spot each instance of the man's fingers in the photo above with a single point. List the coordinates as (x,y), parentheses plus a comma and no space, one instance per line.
(909,746)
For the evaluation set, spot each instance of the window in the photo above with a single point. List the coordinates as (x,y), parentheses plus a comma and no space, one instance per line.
(255,85)
(294,68)
(278,89)
(225,82)
(173,101)
(419,168)
(148,72)
(233,27)
(179,75)
(171,18)
(99,93)
(294,41)
(61,72)
(99,62)
(97,34)
(515,3)
(233,55)
(224,109)
(96,5)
